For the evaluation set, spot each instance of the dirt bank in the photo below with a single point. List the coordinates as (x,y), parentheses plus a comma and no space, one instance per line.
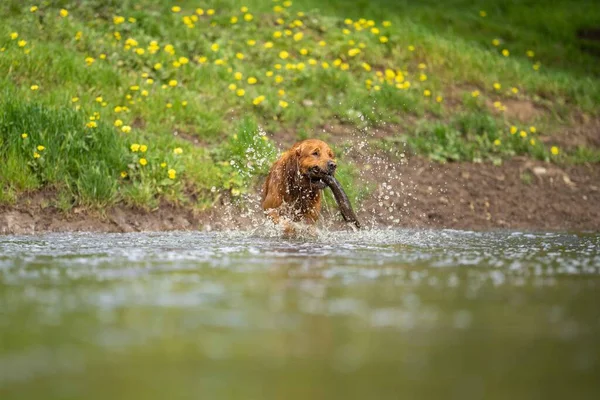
(520,194)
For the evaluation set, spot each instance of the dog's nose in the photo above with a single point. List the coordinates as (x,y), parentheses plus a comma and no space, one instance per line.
(331,166)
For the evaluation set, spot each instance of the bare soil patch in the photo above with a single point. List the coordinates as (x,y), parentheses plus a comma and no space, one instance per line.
(520,194)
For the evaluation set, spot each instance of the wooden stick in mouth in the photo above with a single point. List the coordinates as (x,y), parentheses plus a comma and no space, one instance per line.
(342,200)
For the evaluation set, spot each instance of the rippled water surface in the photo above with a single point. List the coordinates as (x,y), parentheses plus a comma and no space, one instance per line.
(394,314)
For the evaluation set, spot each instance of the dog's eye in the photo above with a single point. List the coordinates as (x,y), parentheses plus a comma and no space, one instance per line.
(315,153)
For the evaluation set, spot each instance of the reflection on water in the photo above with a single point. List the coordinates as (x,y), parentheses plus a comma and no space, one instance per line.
(376,314)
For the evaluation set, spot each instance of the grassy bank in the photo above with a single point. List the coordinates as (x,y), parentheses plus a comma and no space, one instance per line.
(143,102)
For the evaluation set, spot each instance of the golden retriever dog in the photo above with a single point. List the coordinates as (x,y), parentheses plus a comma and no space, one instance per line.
(292,191)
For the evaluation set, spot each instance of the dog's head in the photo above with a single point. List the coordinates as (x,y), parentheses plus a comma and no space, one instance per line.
(315,160)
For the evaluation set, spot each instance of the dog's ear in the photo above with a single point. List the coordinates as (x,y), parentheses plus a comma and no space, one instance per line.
(298,150)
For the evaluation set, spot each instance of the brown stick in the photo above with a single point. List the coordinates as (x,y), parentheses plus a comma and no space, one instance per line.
(342,199)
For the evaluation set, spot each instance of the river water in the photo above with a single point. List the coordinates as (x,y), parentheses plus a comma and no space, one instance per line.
(398,314)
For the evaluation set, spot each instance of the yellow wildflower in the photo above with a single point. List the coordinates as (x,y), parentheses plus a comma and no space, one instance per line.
(422,77)
(322,43)
(298,36)
(143,162)
(505,53)
(163,164)
(496,42)
(172,83)
(523,134)
(210,11)
(34,87)
(383,39)
(530,53)
(532,129)
(24,135)
(514,90)
(199,11)
(411,48)
(284,54)
(353,52)
(252,80)
(475,93)
(497,142)
(36,154)
(22,43)
(532,142)
(283,103)
(172,173)
(482,13)
(157,66)
(233,20)
(214,47)
(554,150)
(257,100)
(33,8)
(251,42)
(497,86)
(513,130)
(178,150)
(176,9)
(40,147)
(123,174)
(439,99)
(248,17)
(89,60)
(240,92)
(386,24)
(118,123)
(74,99)
(14,35)
(134,147)
(268,45)
(143,148)
(64,13)
(125,129)
(325,64)
(427,93)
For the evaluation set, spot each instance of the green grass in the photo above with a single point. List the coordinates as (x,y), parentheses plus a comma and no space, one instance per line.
(93,63)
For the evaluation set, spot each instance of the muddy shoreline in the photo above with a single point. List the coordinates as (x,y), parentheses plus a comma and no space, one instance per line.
(520,194)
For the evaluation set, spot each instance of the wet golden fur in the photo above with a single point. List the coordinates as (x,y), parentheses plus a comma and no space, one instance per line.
(289,192)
